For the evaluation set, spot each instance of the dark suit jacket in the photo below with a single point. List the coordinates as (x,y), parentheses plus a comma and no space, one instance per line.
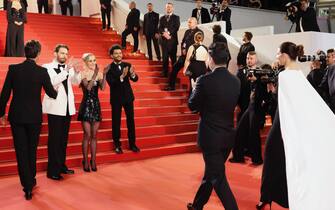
(23,2)
(225,16)
(219,38)
(172,26)
(328,82)
(120,92)
(26,80)
(150,24)
(188,38)
(133,19)
(309,21)
(205,18)
(215,97)
(107,3)
(242,54)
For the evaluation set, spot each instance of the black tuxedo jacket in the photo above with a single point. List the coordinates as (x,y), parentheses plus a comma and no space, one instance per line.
(150,24)
(225,16)
(205,17)
(107,3)
(133,19)
(120,92)
(242,54)
(26,81)
(188,38)
(215,97)
(309,21)
(172,26)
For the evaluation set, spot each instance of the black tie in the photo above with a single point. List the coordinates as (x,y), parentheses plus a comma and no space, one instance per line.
(168,18)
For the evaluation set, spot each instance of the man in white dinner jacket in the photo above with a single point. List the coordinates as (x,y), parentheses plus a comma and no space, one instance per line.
(60,110)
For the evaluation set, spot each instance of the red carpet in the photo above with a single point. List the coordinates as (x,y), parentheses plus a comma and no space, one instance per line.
(166,183)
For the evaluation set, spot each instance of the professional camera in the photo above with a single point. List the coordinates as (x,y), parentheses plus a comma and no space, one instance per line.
(215,9)
(290,6)
(321,56)
(264,75)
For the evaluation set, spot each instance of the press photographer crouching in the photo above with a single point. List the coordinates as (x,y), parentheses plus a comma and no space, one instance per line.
(304,16)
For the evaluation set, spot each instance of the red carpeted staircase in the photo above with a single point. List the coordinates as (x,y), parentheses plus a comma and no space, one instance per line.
(164,125)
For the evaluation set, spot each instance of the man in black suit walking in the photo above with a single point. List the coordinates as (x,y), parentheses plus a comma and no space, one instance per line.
(150,31)
(106,8)
(64,4)
(118,75)
(168,28)
(25,114)
(132,26)
(201,13)
(215,97)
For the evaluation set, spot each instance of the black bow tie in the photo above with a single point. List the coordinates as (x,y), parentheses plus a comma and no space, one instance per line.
(61,65)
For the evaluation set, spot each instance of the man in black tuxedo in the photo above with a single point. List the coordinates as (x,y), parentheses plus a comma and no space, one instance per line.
(25,113)
(132,26)
(246,47)
(304,17)
(188,40)
(150,31)
(106,8)
(118,75)
(225,15)
(64,4)
(201,13)
(215,97)
(43,4)
(168,28)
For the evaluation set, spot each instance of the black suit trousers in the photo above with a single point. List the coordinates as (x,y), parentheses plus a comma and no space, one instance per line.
(248,136)
(152,38)
(116,122)
(125,33)
(175,70)
(215,177)
(43,4)
(106,13)
(64,7)
(57,143)
(26,137)
(169,51)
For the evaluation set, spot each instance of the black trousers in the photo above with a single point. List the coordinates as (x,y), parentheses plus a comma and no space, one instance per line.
(215,177)
(116,122)
(169,51)
(248,136)
(152,38)
(26,137)
(106,13)
(43,4)
(175,70)
(57,143)
(14,40)
(125,33)
(64,7)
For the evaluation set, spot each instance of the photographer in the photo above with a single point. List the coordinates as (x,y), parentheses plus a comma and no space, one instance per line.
(328,81)
(224,15)
(303,16)
(248,129)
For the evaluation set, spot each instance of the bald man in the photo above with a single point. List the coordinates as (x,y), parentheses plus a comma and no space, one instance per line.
(188,41)
(132,26)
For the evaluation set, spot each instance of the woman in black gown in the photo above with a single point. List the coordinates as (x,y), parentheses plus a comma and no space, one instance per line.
(16,17)
(90,111)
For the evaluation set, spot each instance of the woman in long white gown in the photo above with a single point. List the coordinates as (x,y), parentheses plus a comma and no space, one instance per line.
(307,127)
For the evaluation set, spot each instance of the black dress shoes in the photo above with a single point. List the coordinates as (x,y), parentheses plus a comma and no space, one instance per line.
(134,149)
(257,163)
(54,177)
(118,150)
(28,195)
(169,89)
(233,160)
(190,206)
(68,171)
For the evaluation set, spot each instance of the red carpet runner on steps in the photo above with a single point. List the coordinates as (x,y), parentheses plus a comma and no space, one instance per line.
(164,125)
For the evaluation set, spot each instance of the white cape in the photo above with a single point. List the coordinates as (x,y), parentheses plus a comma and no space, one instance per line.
(308,131)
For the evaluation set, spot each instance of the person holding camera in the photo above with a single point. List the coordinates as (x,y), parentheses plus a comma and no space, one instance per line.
(248,128)
(215,97)
(303,16)
(224,15)
(201,13)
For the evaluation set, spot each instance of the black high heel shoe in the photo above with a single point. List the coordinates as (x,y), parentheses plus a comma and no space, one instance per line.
(86,169)
(95,168)
(261,205)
